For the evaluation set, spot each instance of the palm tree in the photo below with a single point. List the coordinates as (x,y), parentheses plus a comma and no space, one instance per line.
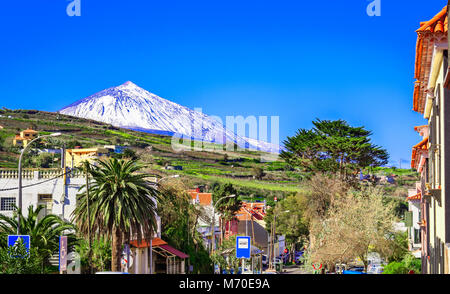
(121,205)
(44,232)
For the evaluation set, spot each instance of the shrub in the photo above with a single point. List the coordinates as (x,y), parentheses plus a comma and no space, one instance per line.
(408,263)
(395,267)
(16,260)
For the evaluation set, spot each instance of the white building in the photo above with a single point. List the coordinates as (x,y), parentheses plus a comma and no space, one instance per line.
(58,194)
(48,187)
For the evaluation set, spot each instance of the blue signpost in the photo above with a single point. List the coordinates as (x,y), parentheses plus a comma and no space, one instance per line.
(15,239)
(243,247)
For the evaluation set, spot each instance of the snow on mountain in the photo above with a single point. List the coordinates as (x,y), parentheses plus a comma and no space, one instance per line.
(130,106)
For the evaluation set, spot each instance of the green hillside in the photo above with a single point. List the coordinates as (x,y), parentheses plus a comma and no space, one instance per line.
(244,169)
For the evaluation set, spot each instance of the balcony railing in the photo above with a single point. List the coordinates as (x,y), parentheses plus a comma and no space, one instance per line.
(30,174)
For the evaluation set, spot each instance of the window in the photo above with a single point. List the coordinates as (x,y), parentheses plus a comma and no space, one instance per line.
(7,203)
(417,236)
(45,197)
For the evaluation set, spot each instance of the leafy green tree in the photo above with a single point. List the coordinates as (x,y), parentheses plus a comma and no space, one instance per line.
(406,265)
(44,231)
(333,146)
(290,220)
(398,246)
(227,207)
(44,160)
(100,254)
(179,219)
(17,260)
(122,202)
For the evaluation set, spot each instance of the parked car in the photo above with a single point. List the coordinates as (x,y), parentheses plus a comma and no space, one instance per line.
(356,270)
(264,259)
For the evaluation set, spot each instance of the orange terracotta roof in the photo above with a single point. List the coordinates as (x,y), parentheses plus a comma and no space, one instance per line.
(418,196)
(204,198)
(416,152)
(428,34)
(439,23)
(30,131)
(146,244)
(416,128)
(422,144)
(250,209)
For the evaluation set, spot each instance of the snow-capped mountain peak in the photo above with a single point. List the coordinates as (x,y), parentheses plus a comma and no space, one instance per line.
(130,106)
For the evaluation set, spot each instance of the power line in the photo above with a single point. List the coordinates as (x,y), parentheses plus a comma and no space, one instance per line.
(35,184)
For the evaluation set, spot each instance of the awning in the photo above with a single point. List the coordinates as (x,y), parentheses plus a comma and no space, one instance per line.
(161,247)
(174,251)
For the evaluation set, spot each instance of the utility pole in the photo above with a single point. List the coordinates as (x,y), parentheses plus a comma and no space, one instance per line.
(86,170)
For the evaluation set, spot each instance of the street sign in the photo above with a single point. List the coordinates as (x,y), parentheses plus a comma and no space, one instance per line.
(62,253)
(14,239)
(243,247)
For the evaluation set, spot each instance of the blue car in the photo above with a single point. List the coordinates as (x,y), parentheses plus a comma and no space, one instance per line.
(354,271)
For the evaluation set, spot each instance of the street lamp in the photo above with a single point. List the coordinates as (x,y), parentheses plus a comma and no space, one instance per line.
(213,220)
(20,174)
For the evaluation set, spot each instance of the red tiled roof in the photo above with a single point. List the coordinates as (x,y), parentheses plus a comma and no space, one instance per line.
(204,198)
(439,23)
(174,251)
(146,244)
(251,209)
(421,146)
(418,128)
(418,196)
(429,32)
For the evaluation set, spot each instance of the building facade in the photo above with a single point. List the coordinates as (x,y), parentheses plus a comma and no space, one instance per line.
(48,187)
(75,157)
(431,156)
(24,138)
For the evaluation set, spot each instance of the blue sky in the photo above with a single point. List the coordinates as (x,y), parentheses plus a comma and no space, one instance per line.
(295,59)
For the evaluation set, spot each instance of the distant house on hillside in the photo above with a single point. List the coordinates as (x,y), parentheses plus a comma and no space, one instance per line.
(24,138)
(74,157)
(115,148)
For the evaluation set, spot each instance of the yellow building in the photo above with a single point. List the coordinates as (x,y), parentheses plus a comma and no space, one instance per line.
(431,155)
(25,137)
(75,157)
